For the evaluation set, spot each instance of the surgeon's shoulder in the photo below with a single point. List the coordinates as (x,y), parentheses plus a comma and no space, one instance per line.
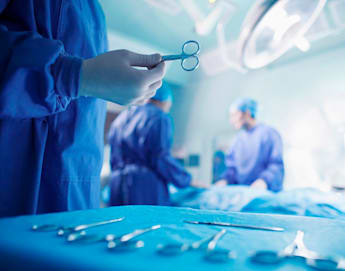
(265,127)
(271,131)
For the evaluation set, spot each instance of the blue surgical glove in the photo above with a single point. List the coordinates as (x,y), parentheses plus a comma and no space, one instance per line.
(113,77)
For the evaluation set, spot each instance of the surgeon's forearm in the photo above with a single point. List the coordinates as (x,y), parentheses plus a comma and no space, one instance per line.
(229,176)
(171,171)
(273,176)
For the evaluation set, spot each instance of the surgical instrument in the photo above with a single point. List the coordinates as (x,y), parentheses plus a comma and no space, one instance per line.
(212,254)
(126,242)
(225,224)
(84,237)
(297,249)
(61,230)
(189,58)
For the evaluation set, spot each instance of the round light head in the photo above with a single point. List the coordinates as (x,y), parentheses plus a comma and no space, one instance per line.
(272,27)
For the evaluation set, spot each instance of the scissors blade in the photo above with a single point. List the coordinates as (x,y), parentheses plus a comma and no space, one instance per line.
(172,57)
(129,236)
(86,226)
(224,224)
(212,244)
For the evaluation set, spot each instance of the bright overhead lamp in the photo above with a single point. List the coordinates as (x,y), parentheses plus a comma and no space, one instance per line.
(272,27)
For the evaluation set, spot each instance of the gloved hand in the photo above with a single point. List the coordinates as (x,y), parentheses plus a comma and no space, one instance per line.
(221,183)
(259,184)
(112,77)
(199,184)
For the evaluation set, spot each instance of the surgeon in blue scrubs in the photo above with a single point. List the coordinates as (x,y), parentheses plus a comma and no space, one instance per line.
(142,165)
(54,66)
(256,155)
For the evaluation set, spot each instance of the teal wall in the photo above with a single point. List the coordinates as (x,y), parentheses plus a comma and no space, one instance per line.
(302,99)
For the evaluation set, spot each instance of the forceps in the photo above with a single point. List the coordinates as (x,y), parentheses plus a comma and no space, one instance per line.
(189,58)
(83,237)
(225,224)
(212,254)
(297,249)
(61,230)
(125,242)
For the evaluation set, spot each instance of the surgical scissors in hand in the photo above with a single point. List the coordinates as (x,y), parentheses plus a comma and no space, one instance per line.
(61,230)
(212,254)
(297,249)
(189,58)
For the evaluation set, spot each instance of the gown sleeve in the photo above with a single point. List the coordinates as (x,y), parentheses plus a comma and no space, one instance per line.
(273,175)
(37,77)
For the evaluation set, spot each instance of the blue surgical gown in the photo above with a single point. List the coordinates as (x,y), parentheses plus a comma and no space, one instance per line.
(140,140)
(51,140)
(256,154)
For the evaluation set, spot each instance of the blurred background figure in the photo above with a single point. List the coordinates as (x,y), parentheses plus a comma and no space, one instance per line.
(142,166)
(256,155)
(219,166)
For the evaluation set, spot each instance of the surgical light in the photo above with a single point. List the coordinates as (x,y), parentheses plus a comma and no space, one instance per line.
(272,27)
(205,23)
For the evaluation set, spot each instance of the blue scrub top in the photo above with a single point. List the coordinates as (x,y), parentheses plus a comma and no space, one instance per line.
(140,140)
(256,154)
(51,140)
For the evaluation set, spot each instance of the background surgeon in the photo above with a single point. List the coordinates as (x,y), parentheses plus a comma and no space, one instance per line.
(256,156)
(140,139)
(53,67)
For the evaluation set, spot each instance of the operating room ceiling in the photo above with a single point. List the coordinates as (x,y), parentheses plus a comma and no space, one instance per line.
(152,25)
(166,24)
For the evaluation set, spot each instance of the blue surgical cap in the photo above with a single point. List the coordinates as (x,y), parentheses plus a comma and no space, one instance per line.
(163,94)
(244,105)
